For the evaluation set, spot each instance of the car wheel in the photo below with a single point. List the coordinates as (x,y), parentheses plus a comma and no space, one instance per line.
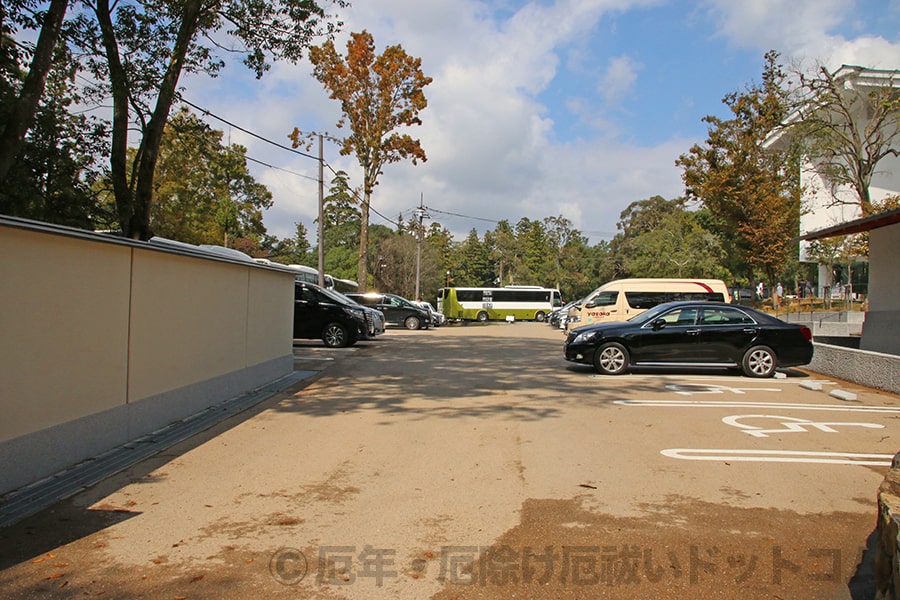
(335,335)
(611,359)
(411,322)
(540,317)
(482,317)
(759,361)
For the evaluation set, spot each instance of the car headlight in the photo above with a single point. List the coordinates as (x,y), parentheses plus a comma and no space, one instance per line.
(585,337)
(354,313)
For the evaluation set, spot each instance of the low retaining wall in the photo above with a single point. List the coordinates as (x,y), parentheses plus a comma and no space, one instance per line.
(106,339)
(872,369)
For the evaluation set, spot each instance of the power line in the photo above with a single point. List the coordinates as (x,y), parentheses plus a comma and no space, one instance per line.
(265,164)
(247,131)
(209,113)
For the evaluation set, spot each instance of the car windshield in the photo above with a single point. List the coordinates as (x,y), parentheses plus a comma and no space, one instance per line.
(649,315)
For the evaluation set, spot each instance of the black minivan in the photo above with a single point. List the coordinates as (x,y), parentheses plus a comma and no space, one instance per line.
(320,314)
(397,310)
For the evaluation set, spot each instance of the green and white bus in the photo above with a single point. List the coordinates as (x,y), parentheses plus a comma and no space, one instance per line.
(521,302)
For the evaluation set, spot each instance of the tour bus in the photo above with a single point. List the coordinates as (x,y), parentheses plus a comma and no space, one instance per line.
(310,275)
(622,299)
(344,286)
(513,302)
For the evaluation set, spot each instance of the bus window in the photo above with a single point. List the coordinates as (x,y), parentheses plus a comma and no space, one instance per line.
(604,299)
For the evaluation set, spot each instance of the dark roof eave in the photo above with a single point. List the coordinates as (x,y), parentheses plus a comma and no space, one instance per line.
(856,226)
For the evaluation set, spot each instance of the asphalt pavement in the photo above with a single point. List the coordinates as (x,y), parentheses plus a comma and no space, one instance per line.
(474,462)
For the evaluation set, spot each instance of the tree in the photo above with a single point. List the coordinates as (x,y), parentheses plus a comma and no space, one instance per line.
(56,167)
(204,192)
(473,263)
(378,95)
(504,251)
(341,231)
(752,192)
(675,246)
(19,118)
(288,251)
(849,121)
(137,52)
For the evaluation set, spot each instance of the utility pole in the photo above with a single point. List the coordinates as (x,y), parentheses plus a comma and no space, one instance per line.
(321,214)
(420,214)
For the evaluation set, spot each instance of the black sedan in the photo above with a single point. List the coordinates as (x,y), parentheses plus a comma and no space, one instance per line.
(693,334)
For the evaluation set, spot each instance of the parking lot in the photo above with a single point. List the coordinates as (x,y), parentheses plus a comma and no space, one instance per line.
(474,462)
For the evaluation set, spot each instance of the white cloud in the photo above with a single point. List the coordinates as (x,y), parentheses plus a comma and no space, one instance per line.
(489,131)
(804,30)
(619,79)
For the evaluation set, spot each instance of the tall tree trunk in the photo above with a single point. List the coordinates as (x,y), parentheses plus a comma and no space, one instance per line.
(118,161)
(134,195)
(149,151)
(22,115)
(362,271)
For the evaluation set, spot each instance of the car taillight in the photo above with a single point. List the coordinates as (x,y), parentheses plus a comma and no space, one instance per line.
(807,333)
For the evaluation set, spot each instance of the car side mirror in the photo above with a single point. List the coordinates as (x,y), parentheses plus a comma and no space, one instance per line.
(659,324)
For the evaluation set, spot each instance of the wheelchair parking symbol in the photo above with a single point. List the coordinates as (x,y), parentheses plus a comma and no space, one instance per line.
(789,425)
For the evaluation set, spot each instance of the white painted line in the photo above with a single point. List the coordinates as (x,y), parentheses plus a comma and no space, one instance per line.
(750,404)
(718,379)
(842,395)
(692,390)
(780,456)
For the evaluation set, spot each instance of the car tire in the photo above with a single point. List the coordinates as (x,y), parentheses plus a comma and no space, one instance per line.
(335,335)
(412,322)
(611,359)
(481,317)
(540,317)
(759,361)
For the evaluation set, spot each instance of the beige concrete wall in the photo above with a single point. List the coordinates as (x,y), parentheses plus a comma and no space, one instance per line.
(103,340)
(881,331)
(188,321)
(63,329)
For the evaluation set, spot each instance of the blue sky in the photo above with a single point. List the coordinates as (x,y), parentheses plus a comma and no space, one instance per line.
(572,107)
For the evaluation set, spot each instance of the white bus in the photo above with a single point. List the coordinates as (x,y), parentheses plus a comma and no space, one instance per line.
(521,302)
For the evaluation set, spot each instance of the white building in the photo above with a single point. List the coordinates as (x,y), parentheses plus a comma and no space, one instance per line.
(827,205)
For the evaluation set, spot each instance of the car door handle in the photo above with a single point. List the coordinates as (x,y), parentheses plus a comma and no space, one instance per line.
(693,332)
(750,330)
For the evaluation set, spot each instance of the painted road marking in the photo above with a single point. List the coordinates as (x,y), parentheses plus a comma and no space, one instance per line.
(790,425)
(780,456)
(691,389)
(715,378)
(760,405)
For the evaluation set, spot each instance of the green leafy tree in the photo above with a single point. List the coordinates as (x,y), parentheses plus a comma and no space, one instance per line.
(137,52)
(752,192)
(531,238)
(378,94)
(473,263)
(294,250)
(504,251)
(56,168)
(20,108)
(440,240)
(204,191)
